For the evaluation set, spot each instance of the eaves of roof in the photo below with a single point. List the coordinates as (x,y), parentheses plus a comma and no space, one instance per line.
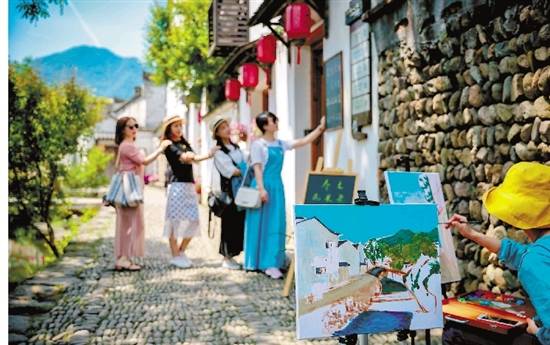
(242,54)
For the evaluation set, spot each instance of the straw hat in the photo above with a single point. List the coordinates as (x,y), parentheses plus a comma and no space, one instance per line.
(523,198)
(216,122)
(169,120)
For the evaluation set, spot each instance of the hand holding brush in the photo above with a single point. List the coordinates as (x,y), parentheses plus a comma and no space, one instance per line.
(462,224)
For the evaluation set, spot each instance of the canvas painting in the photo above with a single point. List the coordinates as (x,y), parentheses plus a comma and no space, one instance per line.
(366,269)
(424,188)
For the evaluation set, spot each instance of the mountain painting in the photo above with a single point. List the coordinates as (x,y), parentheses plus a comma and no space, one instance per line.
(425,188)
(366,269)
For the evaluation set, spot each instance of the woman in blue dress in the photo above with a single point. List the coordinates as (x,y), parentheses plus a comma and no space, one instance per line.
(265,228)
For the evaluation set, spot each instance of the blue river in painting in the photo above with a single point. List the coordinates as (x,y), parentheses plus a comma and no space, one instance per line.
(370,322)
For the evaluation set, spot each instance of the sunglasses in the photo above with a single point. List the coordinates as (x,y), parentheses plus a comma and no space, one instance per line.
(136,126)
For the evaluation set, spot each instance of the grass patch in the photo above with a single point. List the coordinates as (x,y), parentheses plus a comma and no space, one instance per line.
(29,255)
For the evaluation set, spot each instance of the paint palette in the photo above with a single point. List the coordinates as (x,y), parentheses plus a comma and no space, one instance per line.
(504,314)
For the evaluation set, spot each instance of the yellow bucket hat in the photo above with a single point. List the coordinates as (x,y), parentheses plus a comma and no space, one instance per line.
(523,198)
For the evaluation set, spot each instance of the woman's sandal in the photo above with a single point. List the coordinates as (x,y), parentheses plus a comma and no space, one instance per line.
(131,268)
(127,266)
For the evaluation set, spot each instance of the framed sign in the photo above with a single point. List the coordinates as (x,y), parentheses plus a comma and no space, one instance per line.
(360,72)
(333,93)
(327,188)
(354,12)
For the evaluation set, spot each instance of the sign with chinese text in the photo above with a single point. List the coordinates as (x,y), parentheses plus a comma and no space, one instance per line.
(333,87)
(360,70)
(330,189)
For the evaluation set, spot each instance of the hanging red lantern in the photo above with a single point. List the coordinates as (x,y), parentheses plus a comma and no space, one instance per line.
(232,90)
(297,24)
(249,75)
(266,53)
(249,78)
(297,21)
(266,49)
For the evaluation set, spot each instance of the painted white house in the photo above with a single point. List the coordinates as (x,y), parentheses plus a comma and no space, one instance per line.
(319,257)
(349,259)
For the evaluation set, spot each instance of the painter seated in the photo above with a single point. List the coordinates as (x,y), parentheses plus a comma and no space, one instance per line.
(523,201)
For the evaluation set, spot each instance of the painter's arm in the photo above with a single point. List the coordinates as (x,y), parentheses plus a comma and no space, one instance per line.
(461,224)
(542,333)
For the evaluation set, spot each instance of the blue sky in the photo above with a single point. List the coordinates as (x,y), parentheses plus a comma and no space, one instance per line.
(405,187)
(361,223)
(118,25)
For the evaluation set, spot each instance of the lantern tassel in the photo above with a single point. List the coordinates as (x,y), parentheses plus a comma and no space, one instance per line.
(267,71)
(299,55)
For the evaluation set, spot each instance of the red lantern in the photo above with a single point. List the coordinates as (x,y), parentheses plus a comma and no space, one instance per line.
(266,49)
(232,90)
(250,75)
(297,24)
(297,21)
(266,53)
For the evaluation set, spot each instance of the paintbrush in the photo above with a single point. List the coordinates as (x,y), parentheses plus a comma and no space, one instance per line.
(473,222)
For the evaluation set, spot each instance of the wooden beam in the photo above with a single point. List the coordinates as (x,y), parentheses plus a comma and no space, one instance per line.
(268,24)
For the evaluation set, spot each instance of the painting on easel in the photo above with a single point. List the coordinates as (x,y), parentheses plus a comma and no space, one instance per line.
(425,188)
(365,269)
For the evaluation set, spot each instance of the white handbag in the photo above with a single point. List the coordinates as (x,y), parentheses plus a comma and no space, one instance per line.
(248,197)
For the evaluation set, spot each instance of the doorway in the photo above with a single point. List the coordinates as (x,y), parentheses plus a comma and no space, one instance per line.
(317,98)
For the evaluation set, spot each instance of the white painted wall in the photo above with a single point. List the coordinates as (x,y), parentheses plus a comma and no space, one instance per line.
(156,99)
(174,102)
(364,153)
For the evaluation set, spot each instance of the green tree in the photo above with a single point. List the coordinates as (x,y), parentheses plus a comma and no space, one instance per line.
(33,10)
(409,250)
(373,250)
(90,173)
(44,126)
(177,38)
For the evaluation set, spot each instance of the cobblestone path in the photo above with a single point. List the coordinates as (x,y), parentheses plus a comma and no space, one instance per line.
(160,304)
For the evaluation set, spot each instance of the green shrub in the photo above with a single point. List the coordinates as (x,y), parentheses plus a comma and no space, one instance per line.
(91,172)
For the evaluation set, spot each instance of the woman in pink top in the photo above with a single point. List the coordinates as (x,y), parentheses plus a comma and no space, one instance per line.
(130,232)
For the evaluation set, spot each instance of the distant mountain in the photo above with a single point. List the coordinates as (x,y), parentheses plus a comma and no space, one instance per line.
(406,236)
(105,73)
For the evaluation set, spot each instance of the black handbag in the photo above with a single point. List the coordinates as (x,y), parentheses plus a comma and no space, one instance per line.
(218,201)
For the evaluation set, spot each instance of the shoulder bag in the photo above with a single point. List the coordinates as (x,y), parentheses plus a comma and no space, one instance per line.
(217,200)
(125,189)
(248,197)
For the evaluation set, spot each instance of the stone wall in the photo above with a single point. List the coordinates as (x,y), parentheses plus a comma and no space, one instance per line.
(468,103)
